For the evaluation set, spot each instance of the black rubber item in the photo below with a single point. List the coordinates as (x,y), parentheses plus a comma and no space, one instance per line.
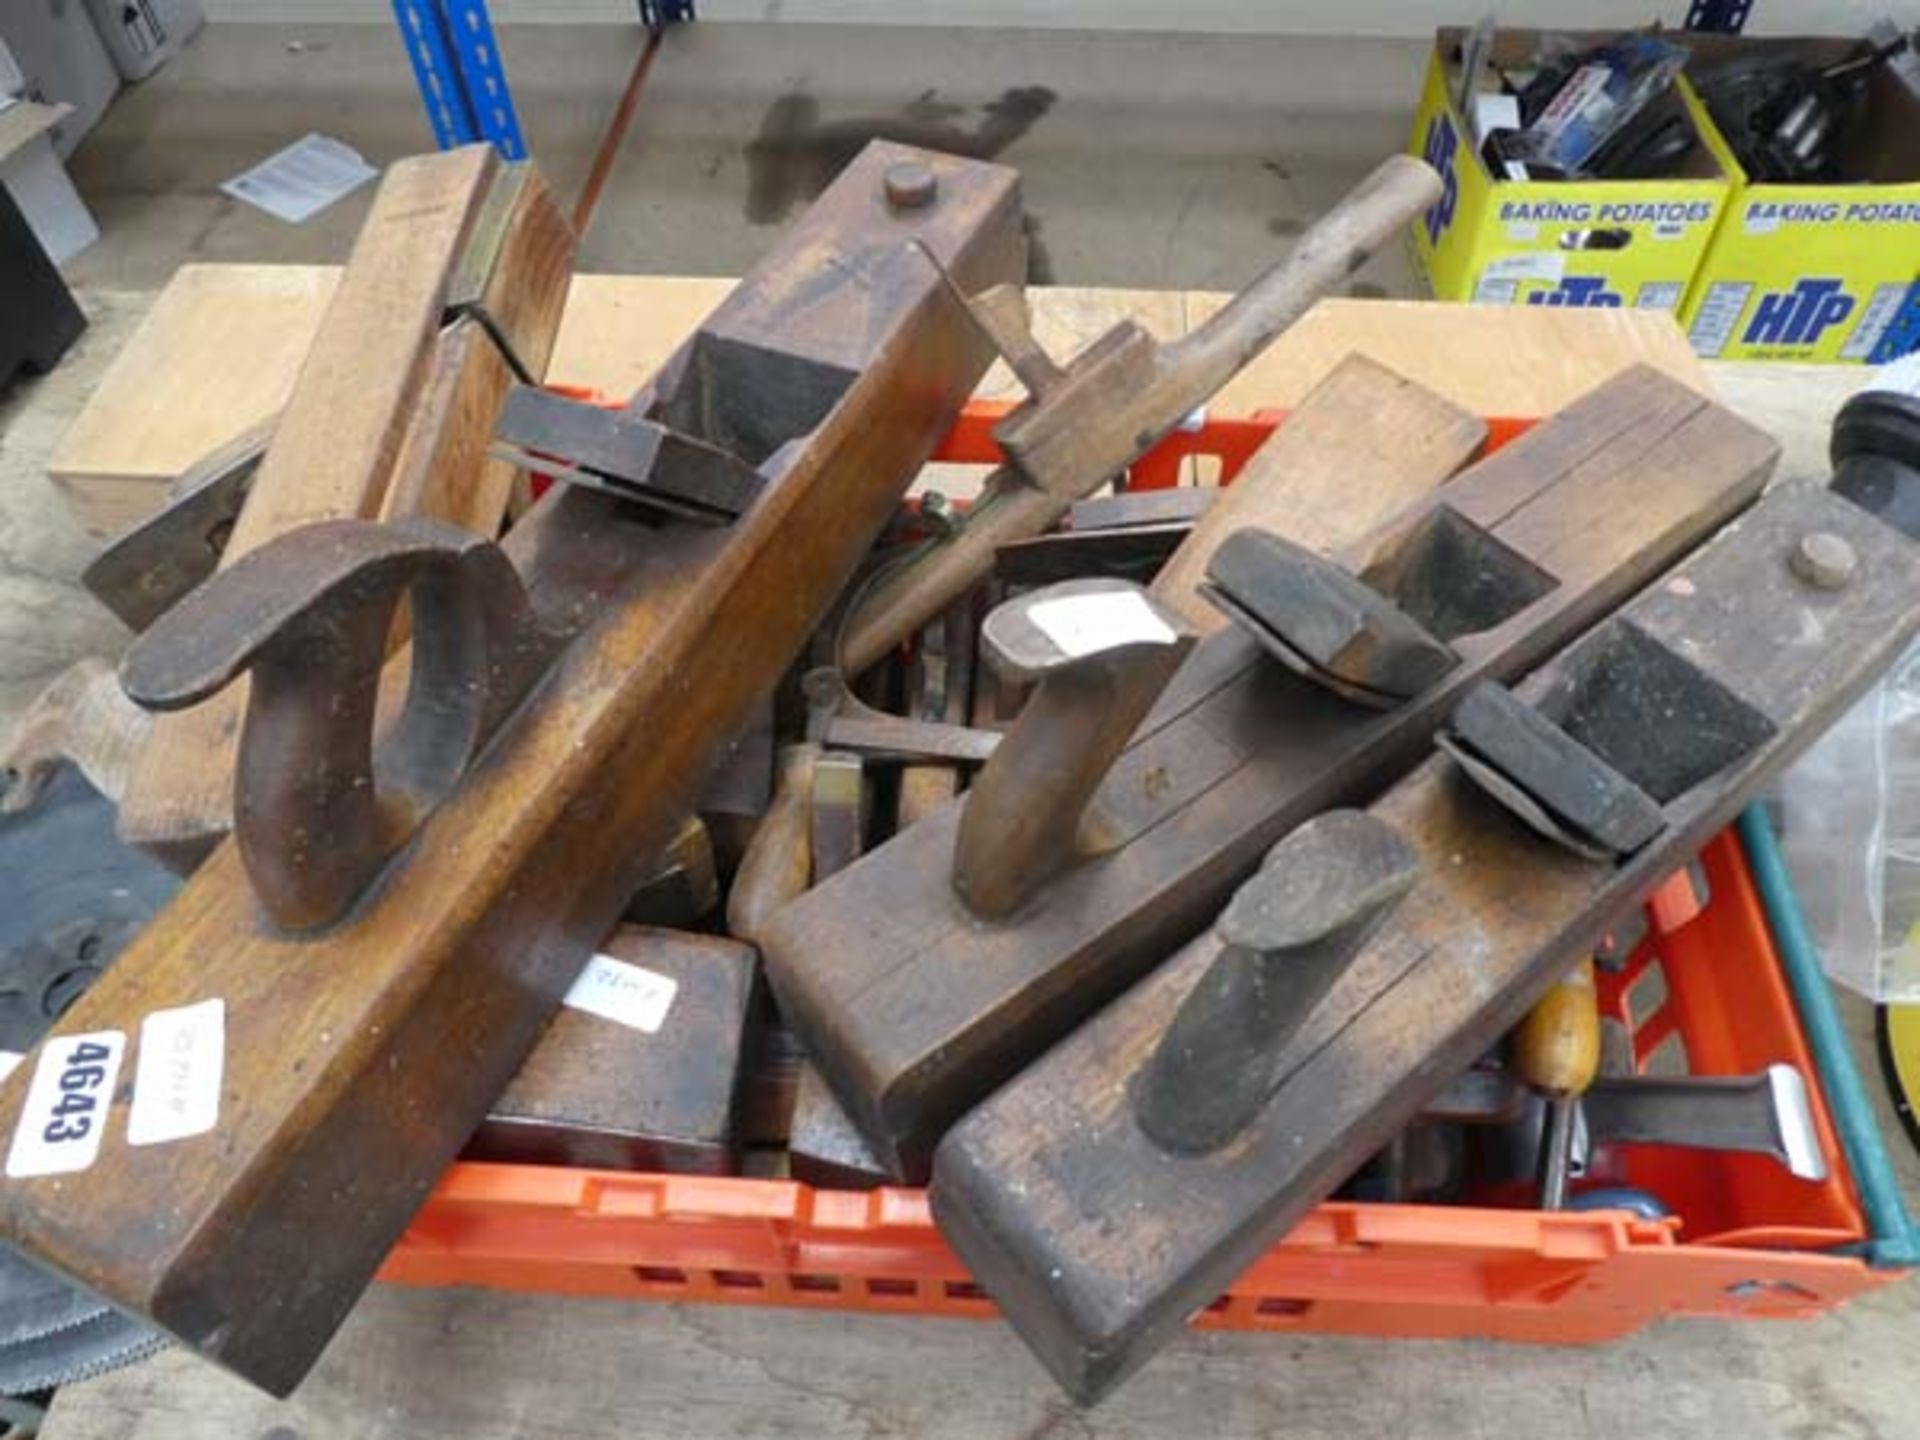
(38,316)
(1652,144)
(1876,456)
(1788,122)
(76,895)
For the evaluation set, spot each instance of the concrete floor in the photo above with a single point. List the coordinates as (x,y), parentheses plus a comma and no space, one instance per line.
(1171,161)
(1149,161)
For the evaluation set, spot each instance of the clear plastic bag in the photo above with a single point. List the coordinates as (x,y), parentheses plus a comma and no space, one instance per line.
(1850,831)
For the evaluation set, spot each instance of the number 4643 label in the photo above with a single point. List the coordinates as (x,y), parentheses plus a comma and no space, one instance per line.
(67,1103)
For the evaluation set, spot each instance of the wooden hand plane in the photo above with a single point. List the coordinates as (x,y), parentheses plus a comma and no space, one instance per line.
(641,1068)
(327,1074)
(1129,1176)
(916,1005)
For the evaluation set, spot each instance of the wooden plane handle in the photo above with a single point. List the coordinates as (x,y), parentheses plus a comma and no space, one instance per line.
(1288,934)
(308,615)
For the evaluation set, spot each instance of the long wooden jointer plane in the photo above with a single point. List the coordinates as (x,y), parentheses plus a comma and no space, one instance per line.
(1119,1184)
(229,1131)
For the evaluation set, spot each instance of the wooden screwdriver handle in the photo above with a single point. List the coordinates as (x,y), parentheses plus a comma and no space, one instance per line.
(1557,1047)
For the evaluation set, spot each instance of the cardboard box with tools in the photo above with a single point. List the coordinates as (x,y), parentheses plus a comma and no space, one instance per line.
(1818,256)
(1607,243)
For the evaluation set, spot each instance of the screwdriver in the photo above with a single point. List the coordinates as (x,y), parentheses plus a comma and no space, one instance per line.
(1556,1050)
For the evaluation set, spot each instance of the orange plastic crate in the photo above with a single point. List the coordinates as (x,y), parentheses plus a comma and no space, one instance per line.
(1231,439)
(1747,1238)
(1413,1270)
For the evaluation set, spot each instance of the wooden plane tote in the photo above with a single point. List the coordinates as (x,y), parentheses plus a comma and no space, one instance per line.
(1120,1183)
(917,1001)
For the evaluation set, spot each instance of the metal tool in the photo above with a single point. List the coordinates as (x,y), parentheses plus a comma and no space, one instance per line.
(1767,1113)
(1763,1114)
(1098,653)
(1128,536)
(317,808)
(836,812)
(1087,420)
(1135,509)
(939,687)
(628,455)
(839,718)
(1132,552)
(76,896)
(151,567)
(779,862)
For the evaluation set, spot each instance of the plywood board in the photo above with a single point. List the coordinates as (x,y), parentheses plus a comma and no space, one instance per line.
(617,330)
(216,355)
(1493,360)
(220,349)
(332,455)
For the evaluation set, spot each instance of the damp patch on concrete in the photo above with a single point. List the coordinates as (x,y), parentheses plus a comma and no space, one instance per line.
(796,154)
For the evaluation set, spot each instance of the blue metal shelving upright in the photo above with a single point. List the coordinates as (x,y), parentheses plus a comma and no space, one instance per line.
(462,80)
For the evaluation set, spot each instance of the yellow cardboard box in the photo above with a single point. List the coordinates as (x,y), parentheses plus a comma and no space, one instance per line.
(1559,242)
(1817,272)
